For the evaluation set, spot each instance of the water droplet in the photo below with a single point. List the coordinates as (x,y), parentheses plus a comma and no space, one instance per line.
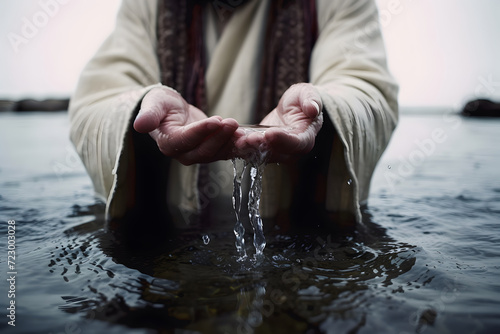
(206,239)
(349,181)
(389,167)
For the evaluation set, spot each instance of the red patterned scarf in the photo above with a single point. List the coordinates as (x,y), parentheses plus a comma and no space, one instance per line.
(291,31)
(290,36)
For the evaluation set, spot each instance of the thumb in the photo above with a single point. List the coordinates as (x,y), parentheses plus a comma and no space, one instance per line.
(311,108)
(312,104)
(146,121)
(154,107)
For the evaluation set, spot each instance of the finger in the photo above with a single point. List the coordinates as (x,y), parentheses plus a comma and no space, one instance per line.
(311,103)
(311,108)
(229,150)
(281,141)
(188,137)
(147,120)
(229,122)
(217,146)
(155,106)
(213,144)
(300,102)
(250,141)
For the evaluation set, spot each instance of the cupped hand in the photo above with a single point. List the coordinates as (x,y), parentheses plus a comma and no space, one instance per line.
(295,122)
(183,131)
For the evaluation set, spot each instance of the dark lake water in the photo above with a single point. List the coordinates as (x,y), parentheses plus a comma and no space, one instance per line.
(428,261)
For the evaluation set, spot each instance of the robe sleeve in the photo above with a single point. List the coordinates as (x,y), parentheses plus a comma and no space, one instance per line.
(107,97)
(349,67)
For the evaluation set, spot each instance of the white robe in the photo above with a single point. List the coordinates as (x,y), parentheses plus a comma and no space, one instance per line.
(348,66)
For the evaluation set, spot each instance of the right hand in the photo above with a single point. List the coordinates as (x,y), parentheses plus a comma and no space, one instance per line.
(183,131)
(295,123)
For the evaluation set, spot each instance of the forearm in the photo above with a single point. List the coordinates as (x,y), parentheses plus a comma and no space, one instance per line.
(349,69)
(98,132)
(109,93)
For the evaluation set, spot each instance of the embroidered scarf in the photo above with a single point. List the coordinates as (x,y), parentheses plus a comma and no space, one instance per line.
(291,31)
(290,36)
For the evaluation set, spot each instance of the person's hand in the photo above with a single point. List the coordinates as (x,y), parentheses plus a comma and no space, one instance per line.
(295,123)
(184,132)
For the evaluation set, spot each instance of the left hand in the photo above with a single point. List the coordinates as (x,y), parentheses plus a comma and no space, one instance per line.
(183,131)
(296,121)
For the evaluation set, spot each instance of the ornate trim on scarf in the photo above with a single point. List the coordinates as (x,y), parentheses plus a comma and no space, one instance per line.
(290,36)
(180,49)
(291,31)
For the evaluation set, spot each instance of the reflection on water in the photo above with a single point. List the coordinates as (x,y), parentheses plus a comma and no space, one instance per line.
(305,282)
(426,261)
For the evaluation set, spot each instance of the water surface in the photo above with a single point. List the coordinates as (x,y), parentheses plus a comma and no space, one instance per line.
(428,261)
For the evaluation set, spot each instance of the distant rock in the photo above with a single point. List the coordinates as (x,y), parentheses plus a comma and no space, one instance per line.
(43,105)
(6,105)
(481,108)
(35,105)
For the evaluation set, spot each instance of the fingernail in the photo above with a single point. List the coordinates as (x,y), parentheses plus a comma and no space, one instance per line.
(316,105)
(139,115)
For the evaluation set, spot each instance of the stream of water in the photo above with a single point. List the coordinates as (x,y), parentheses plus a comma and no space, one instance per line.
(239,230)
(259,240)
(257,162)
(256,173)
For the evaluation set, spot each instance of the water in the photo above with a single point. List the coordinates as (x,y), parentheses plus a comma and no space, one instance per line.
(427,261)
(239,166)
(256,173)
(257,162)
(259,241)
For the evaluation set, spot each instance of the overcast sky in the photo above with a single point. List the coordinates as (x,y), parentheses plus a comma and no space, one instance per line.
(441,52)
